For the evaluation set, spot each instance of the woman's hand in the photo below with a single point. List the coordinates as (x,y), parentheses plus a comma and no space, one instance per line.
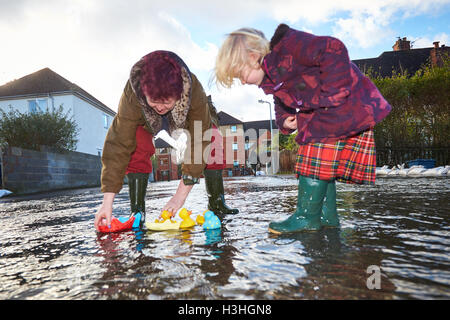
(104,214)
(174,204)
(290,123)
(177,201)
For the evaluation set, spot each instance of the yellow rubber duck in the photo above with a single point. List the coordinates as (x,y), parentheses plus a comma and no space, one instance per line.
(201,218)
(166,223)
(161,226)
(165,215)
(187,220)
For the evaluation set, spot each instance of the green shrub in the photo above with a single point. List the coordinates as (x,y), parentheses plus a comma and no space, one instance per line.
(53,129)
(420,115)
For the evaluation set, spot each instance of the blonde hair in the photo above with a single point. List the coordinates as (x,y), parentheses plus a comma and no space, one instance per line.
(233,55)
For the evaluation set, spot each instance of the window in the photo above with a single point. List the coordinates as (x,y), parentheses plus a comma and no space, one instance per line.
(235,146)
(37,105)
(233,129)
(236,163)
(105,121)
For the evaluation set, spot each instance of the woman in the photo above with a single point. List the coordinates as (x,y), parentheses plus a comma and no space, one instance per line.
(161,93)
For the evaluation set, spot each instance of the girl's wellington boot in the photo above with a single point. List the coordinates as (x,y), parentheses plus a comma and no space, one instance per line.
(311,193)
(330,218)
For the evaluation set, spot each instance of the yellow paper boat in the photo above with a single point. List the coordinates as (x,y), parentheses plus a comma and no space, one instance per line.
(161,226)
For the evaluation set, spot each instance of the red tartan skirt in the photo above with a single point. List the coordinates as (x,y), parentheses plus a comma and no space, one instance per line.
(351,160)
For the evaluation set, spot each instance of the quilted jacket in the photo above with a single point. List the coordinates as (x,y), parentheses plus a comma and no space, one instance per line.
(313,78)
(134,111)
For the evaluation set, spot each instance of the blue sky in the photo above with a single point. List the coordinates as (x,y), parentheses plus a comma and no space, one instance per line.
(95,43)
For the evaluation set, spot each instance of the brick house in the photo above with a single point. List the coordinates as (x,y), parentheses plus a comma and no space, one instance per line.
(244,140)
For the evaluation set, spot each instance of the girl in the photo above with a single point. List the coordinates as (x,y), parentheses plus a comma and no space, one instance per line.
(318,91)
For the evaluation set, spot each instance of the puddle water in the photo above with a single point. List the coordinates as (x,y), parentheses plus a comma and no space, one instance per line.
(50,250)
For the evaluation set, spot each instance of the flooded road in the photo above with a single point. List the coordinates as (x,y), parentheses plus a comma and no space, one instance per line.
(400,227)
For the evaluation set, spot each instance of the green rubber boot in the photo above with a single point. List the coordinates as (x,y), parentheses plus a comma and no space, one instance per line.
(311,193)
(215,191)
(137,189)
(330,218)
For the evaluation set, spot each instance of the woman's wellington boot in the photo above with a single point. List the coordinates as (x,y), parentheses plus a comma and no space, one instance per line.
(137,189)
(215,191)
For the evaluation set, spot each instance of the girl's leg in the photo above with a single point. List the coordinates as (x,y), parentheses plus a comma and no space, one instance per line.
(329,216)
(311,194)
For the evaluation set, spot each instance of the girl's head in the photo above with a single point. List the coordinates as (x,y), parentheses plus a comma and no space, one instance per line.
(241,56)
(161,81)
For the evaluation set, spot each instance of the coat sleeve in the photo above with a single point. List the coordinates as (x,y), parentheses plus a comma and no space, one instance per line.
(120,141)
(198,121)
(335,79)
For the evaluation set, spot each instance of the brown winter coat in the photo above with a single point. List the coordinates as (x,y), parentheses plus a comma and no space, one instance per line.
(133,111)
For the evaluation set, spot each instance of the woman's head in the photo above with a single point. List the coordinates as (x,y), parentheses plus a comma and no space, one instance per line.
(161,81)
(243,48)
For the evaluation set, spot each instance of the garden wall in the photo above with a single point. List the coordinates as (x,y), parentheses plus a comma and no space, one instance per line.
(28,171)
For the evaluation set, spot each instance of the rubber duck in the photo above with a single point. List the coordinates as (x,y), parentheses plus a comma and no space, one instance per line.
(165,215)
(211,221)
(165,223)
(161,226)
(200,218)
(187,220)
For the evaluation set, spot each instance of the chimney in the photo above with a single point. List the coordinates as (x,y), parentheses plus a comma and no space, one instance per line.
(436,55)
(402,44)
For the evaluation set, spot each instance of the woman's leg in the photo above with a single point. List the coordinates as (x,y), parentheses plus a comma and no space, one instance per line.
(213,176)
(138,171)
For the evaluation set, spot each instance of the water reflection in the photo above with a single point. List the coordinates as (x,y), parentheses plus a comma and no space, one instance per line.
(49,249)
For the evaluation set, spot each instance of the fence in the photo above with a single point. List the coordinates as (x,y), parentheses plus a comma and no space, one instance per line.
(287,161)
(394,156)
(385,156)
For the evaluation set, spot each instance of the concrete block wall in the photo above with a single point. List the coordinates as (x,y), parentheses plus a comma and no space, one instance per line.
(28,171)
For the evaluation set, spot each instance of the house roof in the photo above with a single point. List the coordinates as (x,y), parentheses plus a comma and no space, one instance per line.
(226,119)
(160,143)
(410,60)
(44,82)
(260,125)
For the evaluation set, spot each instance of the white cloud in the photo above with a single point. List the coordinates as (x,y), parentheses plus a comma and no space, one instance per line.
(95,43)
(368,22)
(362,31)
(241,102)
(426,41)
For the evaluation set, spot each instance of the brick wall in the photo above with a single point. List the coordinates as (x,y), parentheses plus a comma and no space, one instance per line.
(27,171)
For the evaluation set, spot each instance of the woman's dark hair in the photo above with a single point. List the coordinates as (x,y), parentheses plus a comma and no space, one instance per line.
(161,77)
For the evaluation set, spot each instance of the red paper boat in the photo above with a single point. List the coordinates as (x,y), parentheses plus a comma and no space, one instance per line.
(117,226)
